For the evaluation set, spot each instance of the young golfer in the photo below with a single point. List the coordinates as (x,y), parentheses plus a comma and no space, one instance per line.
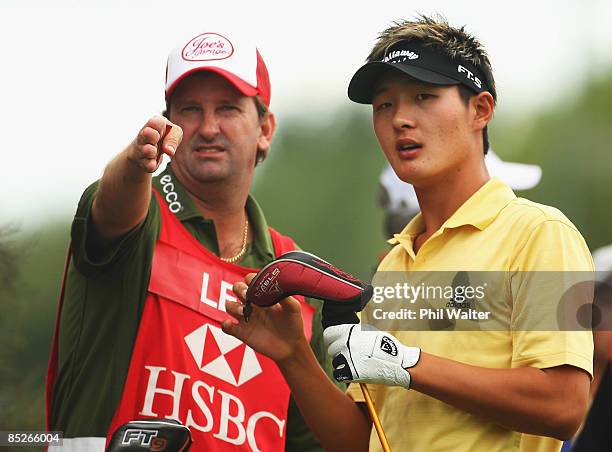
(433,94)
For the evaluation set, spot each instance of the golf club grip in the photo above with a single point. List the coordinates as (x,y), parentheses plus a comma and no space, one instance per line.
(345,312)
(338,314)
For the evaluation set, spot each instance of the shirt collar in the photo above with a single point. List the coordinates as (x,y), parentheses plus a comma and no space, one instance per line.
(483,206)
(479,211)
(181,204)
(408,234)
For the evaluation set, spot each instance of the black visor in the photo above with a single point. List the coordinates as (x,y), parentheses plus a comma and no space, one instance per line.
(423,63)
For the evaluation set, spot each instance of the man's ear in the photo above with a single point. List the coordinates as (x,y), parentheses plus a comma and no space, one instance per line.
(483,105)
(268,127)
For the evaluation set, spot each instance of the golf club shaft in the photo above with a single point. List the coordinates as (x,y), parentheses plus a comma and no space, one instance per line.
(377,425)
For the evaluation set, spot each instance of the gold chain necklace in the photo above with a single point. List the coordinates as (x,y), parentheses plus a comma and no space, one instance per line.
(242,251)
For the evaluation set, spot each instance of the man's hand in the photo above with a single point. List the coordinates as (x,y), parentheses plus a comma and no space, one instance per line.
(364,354)
(124,194)
(157,136)
(276,331)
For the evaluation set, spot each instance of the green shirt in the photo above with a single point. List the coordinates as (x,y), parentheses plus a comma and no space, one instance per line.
(103,303)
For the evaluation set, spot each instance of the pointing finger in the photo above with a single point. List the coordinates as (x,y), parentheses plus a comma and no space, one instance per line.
(172,138)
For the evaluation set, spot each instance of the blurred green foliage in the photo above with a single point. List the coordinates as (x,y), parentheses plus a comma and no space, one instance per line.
(34,262)
(319,185)
(572,141)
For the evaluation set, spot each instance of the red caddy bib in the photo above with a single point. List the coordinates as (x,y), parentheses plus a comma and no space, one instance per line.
(184,367)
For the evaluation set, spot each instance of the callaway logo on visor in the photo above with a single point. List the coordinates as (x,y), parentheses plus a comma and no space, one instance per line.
(398,56)
(423,63)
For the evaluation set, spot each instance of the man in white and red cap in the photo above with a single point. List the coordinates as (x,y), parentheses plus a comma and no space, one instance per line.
(152,263)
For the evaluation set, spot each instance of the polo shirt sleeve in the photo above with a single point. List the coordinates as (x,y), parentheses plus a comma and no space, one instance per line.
(553,258)
(83,236)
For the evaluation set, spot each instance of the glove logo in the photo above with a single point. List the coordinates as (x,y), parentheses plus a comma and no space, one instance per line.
(388,346)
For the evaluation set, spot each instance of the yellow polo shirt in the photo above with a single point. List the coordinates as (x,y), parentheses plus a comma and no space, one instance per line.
(492,231)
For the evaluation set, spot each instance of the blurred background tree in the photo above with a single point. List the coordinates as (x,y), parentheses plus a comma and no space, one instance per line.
(320,186)
(31,265)
(572,141)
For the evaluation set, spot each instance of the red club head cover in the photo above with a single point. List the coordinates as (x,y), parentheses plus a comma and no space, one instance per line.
(301,273)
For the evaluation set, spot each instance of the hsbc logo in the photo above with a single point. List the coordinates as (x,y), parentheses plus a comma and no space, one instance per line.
(222,356)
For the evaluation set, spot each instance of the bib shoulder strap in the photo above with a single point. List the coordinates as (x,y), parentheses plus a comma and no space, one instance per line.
(53,356)
(282,243)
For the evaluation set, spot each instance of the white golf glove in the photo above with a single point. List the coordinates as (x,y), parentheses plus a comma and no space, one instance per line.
(361,353)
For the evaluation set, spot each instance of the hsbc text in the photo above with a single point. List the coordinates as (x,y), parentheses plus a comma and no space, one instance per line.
(230,411)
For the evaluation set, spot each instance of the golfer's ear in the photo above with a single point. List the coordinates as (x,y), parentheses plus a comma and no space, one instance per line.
(483,105)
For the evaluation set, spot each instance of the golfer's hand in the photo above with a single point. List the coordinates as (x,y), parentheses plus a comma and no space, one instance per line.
(275,331)
(157,136)
(364,354)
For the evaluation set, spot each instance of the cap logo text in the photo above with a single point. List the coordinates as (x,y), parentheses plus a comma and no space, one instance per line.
(208,46)
(470,76)
(400,55)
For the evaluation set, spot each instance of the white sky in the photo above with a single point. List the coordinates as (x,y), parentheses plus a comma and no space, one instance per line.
(80,78)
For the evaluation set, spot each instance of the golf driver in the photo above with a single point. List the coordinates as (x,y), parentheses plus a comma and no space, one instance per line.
(161,435)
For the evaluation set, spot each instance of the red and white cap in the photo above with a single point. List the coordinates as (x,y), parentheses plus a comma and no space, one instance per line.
(225,54)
